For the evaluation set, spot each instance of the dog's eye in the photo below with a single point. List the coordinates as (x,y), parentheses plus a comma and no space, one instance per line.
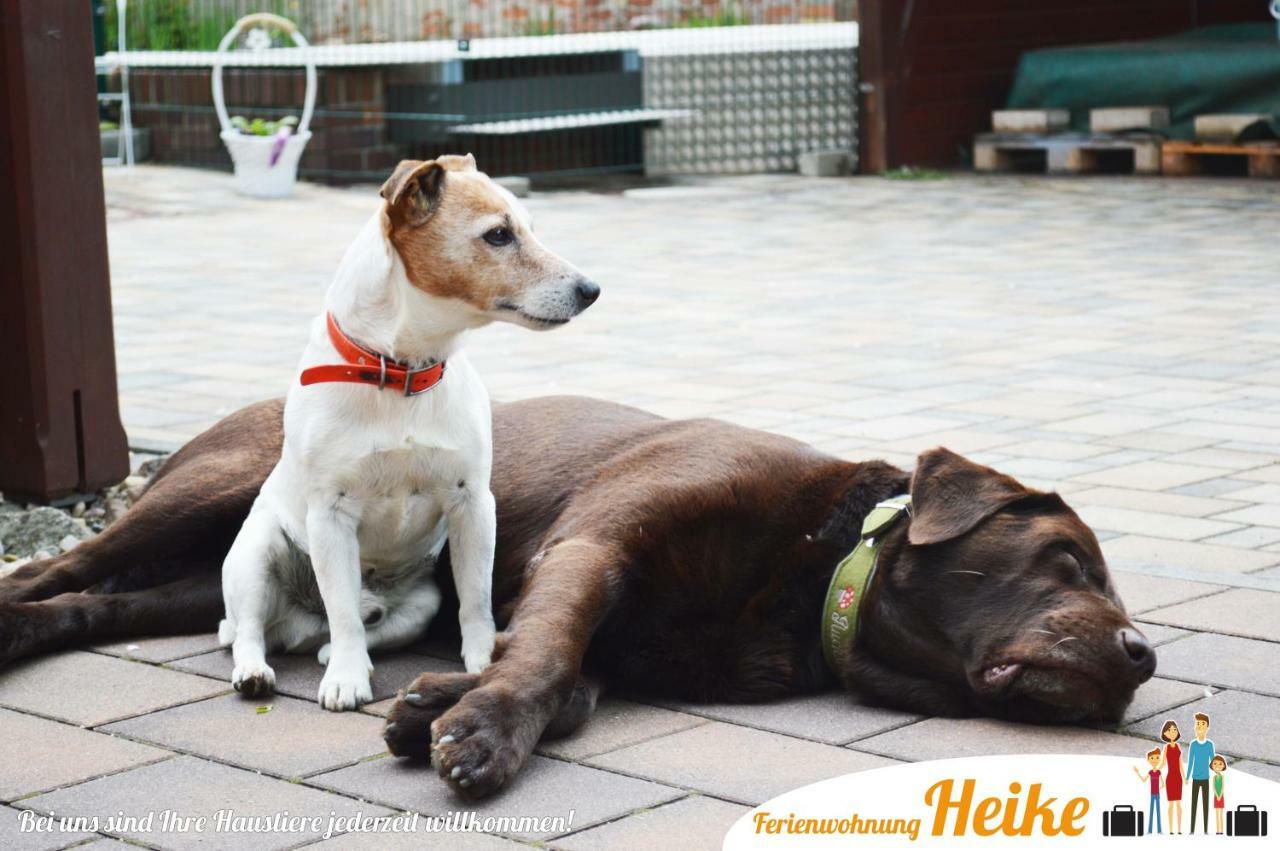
(498,237)
(1079,565)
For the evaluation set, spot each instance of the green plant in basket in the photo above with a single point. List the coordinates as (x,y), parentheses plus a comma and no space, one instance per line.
(260,127)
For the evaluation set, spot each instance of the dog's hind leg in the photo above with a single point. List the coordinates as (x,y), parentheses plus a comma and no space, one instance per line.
(479,744)
(251,599)
(187,606)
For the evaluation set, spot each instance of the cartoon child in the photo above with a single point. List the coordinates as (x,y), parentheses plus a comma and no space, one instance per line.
(1152,777)
(1218,765)
(1171,755)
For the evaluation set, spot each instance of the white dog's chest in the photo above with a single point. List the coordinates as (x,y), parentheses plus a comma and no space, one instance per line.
(402,497)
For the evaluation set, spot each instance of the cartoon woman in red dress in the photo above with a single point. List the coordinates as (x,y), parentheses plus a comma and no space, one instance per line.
(1172,757)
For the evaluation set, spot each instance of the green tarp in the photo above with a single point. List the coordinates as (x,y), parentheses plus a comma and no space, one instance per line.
(1224,69)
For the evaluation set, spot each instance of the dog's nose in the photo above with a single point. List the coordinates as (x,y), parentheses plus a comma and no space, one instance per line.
(586,292)
(1139,651)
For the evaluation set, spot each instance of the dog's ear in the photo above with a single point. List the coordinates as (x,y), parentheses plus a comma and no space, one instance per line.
(950,495)
(414,188)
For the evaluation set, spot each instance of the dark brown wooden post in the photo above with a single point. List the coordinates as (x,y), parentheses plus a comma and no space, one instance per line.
(881,31)
(60,431)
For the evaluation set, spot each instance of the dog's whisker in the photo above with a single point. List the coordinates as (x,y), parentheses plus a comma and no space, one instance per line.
(1045,631)
(1062,641)
(973,572)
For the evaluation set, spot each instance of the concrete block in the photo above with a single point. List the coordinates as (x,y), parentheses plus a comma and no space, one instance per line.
(945,738)
(831,163)
(1246,611)
(1225,127)
(1225,660)
(830,718)
(193,788)
(1117,118)
(1030,120)
(735,763)
(39,754)
(695,822)
(54,686)
(545,786)
(111,140)
(294,738)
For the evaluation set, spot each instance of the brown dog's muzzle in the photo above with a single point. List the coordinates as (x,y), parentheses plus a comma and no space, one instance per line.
(1082,662)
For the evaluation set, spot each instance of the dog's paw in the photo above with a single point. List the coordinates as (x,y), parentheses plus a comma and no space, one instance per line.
(408,728)
(323,654)
(477,652)
(30,583)
(475,746)
(254,680)
(346,684)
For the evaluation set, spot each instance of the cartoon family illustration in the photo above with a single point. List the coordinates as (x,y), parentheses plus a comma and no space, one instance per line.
(1204,769)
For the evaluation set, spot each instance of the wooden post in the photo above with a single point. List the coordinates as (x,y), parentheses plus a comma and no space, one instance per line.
(60,432)
(882,30)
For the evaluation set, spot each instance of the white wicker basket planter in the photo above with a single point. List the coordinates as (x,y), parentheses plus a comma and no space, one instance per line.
(265,166)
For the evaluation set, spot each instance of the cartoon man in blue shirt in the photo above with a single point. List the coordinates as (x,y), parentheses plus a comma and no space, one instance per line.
(1199,755)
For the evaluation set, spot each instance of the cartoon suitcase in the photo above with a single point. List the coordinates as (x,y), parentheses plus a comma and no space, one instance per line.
(1247,820)
(1122,820)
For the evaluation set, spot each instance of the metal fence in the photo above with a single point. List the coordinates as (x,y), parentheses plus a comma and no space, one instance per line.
(569,87)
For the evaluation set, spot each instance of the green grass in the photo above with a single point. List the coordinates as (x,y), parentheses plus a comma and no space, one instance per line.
(907,172)
(184,24)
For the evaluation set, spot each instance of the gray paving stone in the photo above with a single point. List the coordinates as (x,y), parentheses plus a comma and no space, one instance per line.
(164,649)
(1159,634)
(616,724)
(1142,592)
(193,788)
(38,754)
(944,738)
(1158,695)
(70,687)
(1240,611)
(1172,526)
(544,787)
(1211,488)
(293,739)
(1240,724)
(1259,769)
(1136,551)
(299,674)
(1163,502)
(1224,660)
(35,837)
(423,837)
(695,823)
(737,763)
(835,718)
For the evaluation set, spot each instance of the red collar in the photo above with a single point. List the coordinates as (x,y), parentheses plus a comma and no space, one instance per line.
(366,367)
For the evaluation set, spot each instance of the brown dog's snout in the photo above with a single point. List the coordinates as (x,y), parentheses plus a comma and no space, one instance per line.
(586,292)
(1142,656)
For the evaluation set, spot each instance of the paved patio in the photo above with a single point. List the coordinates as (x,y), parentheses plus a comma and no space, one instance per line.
(1115,339)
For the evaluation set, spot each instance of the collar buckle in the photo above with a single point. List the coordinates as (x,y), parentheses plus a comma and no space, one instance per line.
(410,374)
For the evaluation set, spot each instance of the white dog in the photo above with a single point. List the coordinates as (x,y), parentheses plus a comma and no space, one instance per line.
(375,475)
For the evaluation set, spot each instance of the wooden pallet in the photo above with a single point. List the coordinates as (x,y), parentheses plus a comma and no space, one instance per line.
(1067,153)
(1260,159)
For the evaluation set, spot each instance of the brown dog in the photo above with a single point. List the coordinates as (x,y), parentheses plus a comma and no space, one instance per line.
(681,558)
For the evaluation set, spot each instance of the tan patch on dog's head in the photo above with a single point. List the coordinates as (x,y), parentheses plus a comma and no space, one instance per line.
(462,236)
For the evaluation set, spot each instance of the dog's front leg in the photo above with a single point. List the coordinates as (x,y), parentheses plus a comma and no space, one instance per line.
(335,558)
(479,744)
(472,529)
